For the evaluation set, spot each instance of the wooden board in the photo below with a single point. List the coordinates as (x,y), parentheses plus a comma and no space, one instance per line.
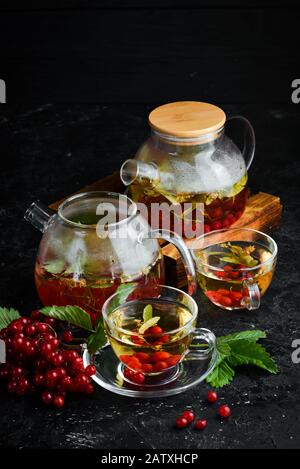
(263,213)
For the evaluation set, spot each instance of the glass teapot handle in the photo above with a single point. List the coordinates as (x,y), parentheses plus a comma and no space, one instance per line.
(178,242)
(249,140)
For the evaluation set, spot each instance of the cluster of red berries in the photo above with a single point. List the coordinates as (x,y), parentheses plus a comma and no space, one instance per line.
(36,363)
(234,273)
(188,416)
(142,362)
(223,213)
(230,298)
(227,298)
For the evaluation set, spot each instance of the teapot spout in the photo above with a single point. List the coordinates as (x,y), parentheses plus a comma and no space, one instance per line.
(39,215)
(134,170)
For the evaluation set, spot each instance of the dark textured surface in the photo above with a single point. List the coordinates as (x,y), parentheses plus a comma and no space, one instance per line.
(50,151)
(143,51)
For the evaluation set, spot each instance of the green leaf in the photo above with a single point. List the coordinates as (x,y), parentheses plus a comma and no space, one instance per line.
(223,348)
(97,340)
(249,353)
(221,375)
(237,349)
(123,291)
(7,316)
(73,314)
(150,323)
(251,336)
(147,313)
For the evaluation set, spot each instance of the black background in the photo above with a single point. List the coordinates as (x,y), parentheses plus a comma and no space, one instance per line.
(81,78)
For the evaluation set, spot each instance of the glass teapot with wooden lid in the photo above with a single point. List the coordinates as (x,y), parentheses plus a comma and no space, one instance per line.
(190,158)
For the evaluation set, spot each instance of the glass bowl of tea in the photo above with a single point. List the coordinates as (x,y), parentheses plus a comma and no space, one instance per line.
(235,266)
(152,336)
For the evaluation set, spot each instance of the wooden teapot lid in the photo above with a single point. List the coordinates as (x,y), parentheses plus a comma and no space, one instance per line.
(187,119)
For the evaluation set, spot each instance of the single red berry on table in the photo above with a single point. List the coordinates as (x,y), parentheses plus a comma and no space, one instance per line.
(200,424)
(224,411)
(59,401)
(181,422)
(188,415)
(212,397)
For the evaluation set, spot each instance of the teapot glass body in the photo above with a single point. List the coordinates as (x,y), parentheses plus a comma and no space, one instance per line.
(208,168)
(93,245)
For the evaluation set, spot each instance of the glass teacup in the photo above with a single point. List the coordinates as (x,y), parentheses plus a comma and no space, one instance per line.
(152,335)
(235,266)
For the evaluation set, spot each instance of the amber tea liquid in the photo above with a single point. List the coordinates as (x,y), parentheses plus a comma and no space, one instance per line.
(158,348)
(224,281)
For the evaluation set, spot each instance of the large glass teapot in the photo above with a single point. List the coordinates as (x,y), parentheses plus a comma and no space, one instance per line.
(96,242)
(188,158)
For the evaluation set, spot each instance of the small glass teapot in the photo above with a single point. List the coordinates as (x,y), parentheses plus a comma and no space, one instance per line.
(96,242)
(188,158)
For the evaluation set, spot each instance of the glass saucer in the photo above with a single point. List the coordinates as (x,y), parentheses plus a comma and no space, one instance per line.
(184,376)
